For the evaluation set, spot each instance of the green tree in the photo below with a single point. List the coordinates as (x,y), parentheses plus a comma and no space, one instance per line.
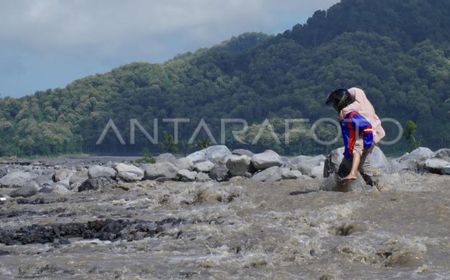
(409,134)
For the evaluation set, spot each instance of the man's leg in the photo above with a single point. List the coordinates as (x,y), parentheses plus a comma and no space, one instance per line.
(355,166)
(358,152)
(370,174)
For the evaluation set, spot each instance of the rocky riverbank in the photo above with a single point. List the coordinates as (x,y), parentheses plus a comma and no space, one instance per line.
(223,214)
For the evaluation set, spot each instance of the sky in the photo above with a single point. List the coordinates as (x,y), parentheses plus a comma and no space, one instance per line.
(49,43)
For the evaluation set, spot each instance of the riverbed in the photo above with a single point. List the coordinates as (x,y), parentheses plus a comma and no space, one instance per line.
(239,229)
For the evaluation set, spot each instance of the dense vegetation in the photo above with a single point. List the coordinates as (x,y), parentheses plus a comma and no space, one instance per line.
(397,50)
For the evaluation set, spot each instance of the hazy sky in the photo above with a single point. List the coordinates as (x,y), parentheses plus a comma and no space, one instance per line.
(48,43)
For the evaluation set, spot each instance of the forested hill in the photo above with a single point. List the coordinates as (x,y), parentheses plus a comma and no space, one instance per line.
(397,50)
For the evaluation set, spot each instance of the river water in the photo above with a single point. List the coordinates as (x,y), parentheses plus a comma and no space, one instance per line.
(236,230)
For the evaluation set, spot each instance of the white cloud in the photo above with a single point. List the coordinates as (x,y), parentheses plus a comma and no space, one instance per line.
(48,43)
(108,27)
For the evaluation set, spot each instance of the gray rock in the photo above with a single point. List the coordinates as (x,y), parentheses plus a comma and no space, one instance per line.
(110,164)
(317,171)
(46,189)
(65,182)
(164,170)
(238,164)
(333,173)
(95,184)
(204,166)
(215,153)
(414,160)
(78,176)
(61,174)
(16,179)
(306,163)
(60,189)
(220,173)
(30,189)
(377,160)
(266,160)
(271,174)
(285,160)
(166,157)
(128,172)
(184,163)
(242,152)
(202,177)
(81,168)
(443,154)
(445,170)
(77,179)
(187,175)
(333,161)
(3,172)
(437,166)
(96,171)
(288,174)
(334,183)
(43,180)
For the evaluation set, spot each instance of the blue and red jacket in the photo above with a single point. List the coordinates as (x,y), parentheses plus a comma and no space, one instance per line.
(353,127)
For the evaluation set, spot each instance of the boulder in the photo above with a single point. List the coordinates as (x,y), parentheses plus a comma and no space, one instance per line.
(61,174)
(442,154)
(271,174)
(317,171)
(60,189)
(163,170)
(128,172)
(377,160)
(166,157)
(266,160)
(109,163)
(334,183)
(46,189)
(446,170)
(30,189)
(184,163)
(414,160)
(77,179)
(204,166)
(96,171)
(333,161)
(242,152)
(305,164)
(219,173)
(43,180)
(288,174)
(202,177)
(333,171)
(96,183)
(238,164)
(437,166)
(215,153)
(3,172)
(65,182)
(16,179)
(186,175)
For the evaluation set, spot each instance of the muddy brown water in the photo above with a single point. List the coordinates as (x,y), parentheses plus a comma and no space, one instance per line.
(240,230)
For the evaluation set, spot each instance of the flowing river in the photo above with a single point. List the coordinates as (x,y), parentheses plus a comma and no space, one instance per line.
(233,230)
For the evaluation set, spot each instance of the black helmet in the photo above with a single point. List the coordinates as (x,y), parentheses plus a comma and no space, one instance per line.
(339,99)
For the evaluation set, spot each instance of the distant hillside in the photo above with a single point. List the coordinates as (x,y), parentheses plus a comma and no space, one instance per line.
(397,50)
